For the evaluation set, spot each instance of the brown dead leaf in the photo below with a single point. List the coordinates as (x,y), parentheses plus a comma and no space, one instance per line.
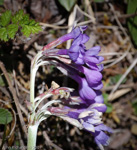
(115,117)
(119,93)
(111,47)
(134,129)
(118,139)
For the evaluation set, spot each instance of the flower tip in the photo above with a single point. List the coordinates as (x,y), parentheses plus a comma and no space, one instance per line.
(83,28)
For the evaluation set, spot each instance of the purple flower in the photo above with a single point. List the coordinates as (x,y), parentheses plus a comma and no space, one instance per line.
(91,59)
(87,86)
(85,91)
(102,138)
(99,98)
(72,35)
(90,118)
(76,54)
(84,67)
(77,50)
(93,77)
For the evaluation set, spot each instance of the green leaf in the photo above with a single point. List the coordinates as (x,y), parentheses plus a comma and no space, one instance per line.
(8,29)
(134,105)
(109,106)
(2,83)
(24,20)
(5,116)
(116,78)
(5,18)
(99,1)
(30,27)
(3,34)
(1,2)
(67,4)
(27,30)
(18,16)
(132,21)
(12,29)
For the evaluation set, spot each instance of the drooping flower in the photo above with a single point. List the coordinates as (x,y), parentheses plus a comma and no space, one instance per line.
(91,121)
(87,118)
(93,77)
(85,91)
(99,98)
(72,35)
(77,49)
(83,66)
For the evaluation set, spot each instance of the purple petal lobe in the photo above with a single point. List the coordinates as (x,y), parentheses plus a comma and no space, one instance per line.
(85,91)
(101,139)
(91,59)
(88,126)
(92,76)
(85,38)
(99,106)
(73,52)
(104,128)
(99,98)
(93,51)
(97,86)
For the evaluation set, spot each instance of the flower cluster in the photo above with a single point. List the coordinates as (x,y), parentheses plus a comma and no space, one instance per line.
(83,66)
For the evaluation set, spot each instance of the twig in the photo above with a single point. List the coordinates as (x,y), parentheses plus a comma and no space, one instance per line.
(89,8)
(13,92)
(49,142)
(5,91)
(108,61)
(115,53)
(123,77)
(125,16)
(118,22)
(19,85)
(119,59)
(15,120)
(130,85)
(92,19)
(71,22)
(107,27)
(21,141)
(84,22)
(87,15)
(53,26)
(24,110)
(65,27)
(34,38)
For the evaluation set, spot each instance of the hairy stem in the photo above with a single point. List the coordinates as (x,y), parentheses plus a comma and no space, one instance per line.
(32,136)
(32,86)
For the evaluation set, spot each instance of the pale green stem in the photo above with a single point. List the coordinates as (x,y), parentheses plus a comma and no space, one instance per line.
(34,68)
(33,125)
(32,137)
(32,86)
